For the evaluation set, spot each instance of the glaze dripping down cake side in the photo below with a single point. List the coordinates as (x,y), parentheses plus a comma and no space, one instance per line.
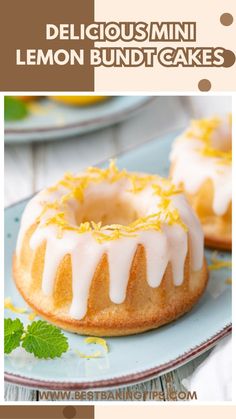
(108,252)
(201,164)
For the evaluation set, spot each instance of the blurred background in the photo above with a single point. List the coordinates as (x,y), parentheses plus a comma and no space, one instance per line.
(45,137)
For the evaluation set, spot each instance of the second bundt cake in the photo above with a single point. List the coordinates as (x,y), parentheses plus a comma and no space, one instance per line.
(201,163)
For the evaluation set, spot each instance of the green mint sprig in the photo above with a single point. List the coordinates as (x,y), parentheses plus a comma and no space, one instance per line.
(39,338)
(14,109)
(13,331)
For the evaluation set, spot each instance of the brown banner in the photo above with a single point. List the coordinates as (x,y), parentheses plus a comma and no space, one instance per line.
(47,412)
(22,26)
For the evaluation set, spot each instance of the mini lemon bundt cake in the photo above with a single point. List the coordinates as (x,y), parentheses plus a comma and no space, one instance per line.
(109,253)
(201,164)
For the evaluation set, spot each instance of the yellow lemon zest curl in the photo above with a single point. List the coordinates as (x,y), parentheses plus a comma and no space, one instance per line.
(164,193)
(97,354)
(170,214)
(203,129)
(225,156)
(98,341)
(32,316)
(94,340)
(218,263)
(8,304)
(76,186)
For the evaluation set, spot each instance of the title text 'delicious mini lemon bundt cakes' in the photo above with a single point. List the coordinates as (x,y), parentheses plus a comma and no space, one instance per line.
(109,252)
(201,163)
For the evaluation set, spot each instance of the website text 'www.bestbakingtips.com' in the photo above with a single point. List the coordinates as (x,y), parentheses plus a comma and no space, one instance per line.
(122,395)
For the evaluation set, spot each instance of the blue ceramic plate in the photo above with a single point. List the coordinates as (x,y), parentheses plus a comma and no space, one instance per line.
(52,120)
(134,358)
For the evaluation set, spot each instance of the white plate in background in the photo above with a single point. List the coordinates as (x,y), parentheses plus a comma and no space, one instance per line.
(53,120)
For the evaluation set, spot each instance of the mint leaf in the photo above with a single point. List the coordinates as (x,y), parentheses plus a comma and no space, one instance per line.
(44,340)
(14,109)
(40,338)
(13,331)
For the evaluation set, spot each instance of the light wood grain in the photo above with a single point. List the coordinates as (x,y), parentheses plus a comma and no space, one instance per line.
(18,393)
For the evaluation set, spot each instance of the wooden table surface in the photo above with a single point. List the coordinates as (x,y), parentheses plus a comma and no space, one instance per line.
(29,167)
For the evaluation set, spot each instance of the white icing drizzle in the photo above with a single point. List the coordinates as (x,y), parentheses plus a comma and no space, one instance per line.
(192,168)
(157,254)
(195,231)
(161,247)
(120,257)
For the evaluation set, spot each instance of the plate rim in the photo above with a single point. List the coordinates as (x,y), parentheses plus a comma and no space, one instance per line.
(128,379)
(76,125)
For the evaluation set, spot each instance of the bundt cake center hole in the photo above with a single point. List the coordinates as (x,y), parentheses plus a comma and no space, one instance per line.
(107,211)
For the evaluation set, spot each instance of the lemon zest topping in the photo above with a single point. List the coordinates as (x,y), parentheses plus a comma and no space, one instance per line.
(32,316)
(225,156)
(170,214)
(164,193)
(96,226)
(203,129)
(47,206)
(76,186)
(97,354)
(139,183)
(98,341)
(8,304)
(218,263)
